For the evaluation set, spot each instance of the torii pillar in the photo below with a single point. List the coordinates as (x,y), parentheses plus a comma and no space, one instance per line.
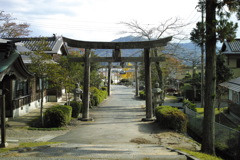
(148,86)
(109,78)
(86,87)
(136,80)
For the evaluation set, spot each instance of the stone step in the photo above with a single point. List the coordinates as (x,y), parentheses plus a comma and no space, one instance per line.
(109,152)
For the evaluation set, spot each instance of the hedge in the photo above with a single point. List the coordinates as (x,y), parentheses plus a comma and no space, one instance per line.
(171,118)
(76,108)
(97,96)
(57,116)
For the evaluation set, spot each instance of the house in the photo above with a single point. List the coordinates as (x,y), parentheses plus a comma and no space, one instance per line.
(55,47)
(232,52)
(233,87)
(16,83)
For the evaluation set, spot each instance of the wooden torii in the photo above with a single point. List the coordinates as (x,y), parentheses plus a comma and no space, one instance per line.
(117,46)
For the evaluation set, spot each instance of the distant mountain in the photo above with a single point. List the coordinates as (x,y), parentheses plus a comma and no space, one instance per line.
(125,52)
(188,53)
(190,46)
(129,39)
(183,51)
(137,52)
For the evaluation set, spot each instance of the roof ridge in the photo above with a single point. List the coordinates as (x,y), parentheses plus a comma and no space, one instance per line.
(18,39)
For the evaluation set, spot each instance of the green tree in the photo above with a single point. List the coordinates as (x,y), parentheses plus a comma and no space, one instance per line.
(223,74)
(95,77)
(11,29)
(69,74)
(42,66)
(214,29)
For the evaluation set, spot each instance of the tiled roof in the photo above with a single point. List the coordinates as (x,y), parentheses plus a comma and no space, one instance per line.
(232,47)
(233,84)
(31,43)
(11,61)
(235,45)
(7,54)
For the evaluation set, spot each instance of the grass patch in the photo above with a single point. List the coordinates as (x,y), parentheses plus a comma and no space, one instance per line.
(171,97)
(200,110)
(200,155)
(36,144)
(3,150)
(217,111)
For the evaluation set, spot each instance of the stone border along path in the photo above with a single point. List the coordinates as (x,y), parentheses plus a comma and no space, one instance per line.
(117,124)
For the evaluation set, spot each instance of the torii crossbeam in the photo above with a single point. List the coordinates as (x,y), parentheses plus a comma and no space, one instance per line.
(146,45)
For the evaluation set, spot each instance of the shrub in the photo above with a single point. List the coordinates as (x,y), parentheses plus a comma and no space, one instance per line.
(58,116)
(67,112)
(171,118)
(97,96)
(142,94)
(190,105)
(76,108)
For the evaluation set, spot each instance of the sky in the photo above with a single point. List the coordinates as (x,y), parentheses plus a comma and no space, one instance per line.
(98,20)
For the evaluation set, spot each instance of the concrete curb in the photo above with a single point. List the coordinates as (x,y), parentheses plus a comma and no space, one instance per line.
(189,157)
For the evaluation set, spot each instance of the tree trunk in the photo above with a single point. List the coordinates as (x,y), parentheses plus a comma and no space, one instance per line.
(210,80)
(41,109)
(66,96)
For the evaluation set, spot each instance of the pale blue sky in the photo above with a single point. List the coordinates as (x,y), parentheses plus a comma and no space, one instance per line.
(97,20)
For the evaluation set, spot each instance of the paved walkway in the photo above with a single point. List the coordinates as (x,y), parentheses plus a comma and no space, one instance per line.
(117,120)
(117,125)
(114,134)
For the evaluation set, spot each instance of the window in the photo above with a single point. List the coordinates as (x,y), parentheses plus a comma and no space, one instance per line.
(21,88)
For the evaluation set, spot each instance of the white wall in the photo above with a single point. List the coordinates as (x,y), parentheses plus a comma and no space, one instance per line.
(27,108)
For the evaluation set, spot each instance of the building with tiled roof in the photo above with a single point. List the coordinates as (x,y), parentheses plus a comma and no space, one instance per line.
(233,87)
(232,52)
(55,46)
(14,81)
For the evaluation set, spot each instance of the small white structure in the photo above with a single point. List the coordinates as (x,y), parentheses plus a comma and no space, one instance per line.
(233,96)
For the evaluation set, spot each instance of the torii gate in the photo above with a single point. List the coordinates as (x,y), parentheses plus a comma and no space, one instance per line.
(146,45)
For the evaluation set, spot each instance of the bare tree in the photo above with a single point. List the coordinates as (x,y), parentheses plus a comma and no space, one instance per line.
(171,27)
(11,29)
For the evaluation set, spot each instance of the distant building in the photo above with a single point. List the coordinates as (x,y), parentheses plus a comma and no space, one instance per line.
(21,88)
(55,47)
(232,51)
(233,87)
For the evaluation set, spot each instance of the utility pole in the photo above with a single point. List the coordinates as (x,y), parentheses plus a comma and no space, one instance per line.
(202,54)
(3,122)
